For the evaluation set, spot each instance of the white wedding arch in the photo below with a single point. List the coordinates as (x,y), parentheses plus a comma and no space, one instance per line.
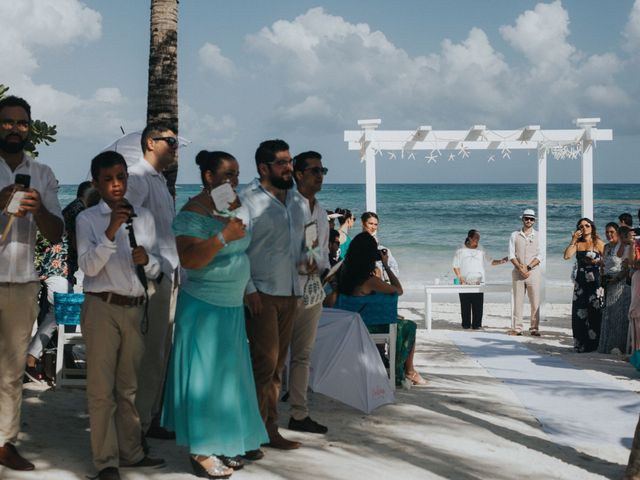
(573,143)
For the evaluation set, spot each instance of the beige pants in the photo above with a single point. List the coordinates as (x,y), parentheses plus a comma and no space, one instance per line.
(532,287)
(305,326)
(114,351)
(157,348)
(18,311)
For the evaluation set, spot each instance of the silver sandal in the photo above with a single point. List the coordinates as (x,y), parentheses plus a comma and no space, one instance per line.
(217,470)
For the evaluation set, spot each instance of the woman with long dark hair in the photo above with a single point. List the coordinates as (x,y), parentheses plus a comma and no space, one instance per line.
(358,278)
(346,220)
(588,294)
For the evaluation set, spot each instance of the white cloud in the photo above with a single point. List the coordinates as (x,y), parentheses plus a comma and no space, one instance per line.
(212,59)
(631,31)
(207,131)
(33,28)
(331,71)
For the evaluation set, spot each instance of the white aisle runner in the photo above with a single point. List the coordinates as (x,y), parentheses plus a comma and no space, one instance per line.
(575,408)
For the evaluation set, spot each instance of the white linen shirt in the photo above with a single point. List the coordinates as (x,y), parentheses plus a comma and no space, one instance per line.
(148,188)
(17,251)
(471,262)
(319,215)
(512,244)
(277,240)
(108,266)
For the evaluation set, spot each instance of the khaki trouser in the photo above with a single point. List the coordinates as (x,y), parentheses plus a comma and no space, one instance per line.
(114,351)
(269,339)
(305,327)
(532,287)
(157,349)
(18,311)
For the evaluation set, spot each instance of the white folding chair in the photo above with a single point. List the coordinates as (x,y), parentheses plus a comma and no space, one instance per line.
(67,307)
(390,340)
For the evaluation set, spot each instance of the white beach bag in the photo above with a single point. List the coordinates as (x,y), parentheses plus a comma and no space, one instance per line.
(313,293)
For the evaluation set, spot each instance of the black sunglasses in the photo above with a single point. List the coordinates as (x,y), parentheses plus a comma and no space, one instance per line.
(317,170)
(171,141)
(528,219)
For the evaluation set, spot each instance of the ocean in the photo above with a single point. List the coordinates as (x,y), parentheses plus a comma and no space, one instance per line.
(424,224)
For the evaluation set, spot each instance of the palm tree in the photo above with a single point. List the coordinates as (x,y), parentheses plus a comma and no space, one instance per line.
(162,94)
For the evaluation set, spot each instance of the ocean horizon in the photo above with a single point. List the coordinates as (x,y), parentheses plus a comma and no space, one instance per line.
(424,223)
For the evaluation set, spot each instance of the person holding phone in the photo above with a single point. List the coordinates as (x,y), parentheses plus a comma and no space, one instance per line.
(588,294)
(37,209)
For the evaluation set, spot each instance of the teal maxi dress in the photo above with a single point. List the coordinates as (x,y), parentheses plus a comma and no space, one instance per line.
(210,396)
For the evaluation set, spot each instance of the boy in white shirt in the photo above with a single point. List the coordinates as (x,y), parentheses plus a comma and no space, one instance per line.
(112,315)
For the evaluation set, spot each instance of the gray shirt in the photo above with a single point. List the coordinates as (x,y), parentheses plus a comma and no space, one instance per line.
(277,239)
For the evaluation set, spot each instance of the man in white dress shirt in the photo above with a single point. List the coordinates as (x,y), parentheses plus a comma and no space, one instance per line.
(112,315)
(19,283)
(308,173)
(147,188)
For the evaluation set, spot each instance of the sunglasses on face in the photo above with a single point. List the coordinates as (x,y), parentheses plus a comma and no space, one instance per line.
(171,141)
(584,225)
(529,219)
(317,170)
(8,124)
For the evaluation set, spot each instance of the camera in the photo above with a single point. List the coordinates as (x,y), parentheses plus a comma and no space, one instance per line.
(380,253)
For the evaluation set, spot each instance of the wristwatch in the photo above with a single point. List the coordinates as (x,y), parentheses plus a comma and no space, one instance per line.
(529,268)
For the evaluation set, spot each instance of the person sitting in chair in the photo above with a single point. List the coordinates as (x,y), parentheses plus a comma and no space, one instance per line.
(357,278)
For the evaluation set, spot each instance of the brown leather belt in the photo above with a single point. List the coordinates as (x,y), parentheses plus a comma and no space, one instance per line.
(120,300)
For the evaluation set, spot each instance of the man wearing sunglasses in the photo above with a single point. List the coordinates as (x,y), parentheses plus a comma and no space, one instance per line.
(309,174)
(147,187)
(526,256)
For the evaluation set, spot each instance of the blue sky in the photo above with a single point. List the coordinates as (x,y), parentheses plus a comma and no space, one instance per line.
(306,71)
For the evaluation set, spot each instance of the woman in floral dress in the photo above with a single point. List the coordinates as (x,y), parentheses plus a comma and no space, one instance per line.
(588,294)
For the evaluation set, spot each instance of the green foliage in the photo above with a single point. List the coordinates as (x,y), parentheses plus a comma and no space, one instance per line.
(41,132)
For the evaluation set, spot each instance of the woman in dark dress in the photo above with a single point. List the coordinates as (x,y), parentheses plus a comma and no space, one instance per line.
(588,294)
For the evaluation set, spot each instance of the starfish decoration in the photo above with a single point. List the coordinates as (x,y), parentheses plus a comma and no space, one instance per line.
(436,150)
(411,156)
(464,151)
(392,156)
(376,151)
(431,158)
(451,158)
(492,158)
(506,153)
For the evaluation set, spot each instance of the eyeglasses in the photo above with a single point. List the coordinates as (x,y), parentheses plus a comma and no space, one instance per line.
(171,141)
(528,219)
(584,225)
(8,124)
(281,163)
(317,170)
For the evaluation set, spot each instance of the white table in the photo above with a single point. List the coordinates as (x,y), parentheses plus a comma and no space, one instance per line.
(431,290)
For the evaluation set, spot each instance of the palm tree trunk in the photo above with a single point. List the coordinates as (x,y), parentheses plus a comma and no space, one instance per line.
(162,95)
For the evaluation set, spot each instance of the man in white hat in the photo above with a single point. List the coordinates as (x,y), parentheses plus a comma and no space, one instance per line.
(526,256)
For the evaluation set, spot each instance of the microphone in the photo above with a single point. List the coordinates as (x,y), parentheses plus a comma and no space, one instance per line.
(132,241)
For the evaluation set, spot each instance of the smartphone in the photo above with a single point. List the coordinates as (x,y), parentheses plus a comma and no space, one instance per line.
(22,179)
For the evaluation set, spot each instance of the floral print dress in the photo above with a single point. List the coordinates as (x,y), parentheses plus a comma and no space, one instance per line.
(588,297)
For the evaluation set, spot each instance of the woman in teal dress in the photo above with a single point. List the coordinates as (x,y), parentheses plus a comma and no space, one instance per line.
(210,397)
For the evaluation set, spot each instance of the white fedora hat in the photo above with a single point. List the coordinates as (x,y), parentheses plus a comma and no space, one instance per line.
(529,212)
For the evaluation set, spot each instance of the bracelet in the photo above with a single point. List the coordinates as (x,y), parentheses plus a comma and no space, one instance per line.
(220,237)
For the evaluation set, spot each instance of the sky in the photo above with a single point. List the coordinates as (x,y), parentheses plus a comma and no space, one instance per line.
(306,71)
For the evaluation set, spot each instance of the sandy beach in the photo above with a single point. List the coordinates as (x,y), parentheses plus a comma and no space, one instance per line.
(465,424)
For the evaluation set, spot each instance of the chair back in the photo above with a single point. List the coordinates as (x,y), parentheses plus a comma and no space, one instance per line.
(67,307)
(375,309)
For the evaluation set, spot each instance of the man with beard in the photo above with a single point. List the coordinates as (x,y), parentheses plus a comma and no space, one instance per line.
(19,285)
(277,217)
(147,188)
